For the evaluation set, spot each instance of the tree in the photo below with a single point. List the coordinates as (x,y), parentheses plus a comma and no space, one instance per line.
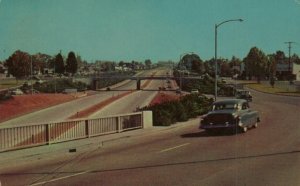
(209,66)
(271,66)
(59,66)
(295,58)
(40,61)
(121,63)
(279,57)
(255,63)
(235,64)
(148,63)
(224,67)
(71,66)
(108,66)
(19,64)
(79,61)
(193,63)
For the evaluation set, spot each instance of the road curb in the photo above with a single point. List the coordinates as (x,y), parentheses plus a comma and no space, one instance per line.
(278,94)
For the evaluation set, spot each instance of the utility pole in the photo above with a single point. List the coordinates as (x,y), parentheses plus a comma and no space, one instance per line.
(31,74)
(290,47)
(180,73)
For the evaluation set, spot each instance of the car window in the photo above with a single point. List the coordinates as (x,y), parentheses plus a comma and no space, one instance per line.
(224,106)
(245,106)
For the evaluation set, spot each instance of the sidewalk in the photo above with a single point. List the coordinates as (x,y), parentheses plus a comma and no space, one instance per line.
(82,145)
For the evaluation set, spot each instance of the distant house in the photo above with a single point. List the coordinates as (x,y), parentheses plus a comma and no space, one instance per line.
(124,67)
(3,71)
(296,71)
(283,70)
(48,71)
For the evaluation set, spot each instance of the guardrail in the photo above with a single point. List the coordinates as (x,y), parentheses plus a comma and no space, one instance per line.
(12,138)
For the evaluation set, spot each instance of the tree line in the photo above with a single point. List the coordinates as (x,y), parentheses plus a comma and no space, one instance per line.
(256,64)
(21,64)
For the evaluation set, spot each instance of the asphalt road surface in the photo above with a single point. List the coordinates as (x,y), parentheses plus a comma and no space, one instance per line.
(183,155)
(137,99)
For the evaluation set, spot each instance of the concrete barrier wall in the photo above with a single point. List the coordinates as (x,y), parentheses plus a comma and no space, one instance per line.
(41,134)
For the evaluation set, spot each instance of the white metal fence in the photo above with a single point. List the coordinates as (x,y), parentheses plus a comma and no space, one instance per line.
(41,134)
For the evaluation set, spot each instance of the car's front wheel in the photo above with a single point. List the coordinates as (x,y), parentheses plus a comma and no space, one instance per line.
(210,131)
(255,124)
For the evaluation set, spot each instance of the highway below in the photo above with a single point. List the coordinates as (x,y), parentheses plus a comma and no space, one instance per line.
(136,99)
(183,155)
(65,110)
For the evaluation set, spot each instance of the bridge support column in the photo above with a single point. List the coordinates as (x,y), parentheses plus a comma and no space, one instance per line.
(138,84)
(95,84)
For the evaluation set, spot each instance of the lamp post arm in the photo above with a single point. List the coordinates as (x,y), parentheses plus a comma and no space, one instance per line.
(217,25)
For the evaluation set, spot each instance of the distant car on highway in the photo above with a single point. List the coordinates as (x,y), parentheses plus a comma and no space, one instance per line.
(233,114)
(194,91)
(243,94)
(17,92)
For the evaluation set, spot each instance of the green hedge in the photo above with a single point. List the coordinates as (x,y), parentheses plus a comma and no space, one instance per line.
(205,86)
(5,95)
(59,85)
(170,112)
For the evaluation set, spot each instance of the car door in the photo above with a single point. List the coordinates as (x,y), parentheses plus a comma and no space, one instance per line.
(246,114)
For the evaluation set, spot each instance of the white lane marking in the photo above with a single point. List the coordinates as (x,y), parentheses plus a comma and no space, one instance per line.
(172,148)
(61,178)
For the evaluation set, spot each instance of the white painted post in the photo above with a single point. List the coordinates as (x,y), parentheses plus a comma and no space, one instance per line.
(147,119)
(119,124)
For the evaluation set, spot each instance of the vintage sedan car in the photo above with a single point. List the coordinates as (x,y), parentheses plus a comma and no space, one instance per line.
(233,114)
(243,94)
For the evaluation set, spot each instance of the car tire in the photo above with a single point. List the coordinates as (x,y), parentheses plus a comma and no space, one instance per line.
(255,124)
(244,129)
(210,131)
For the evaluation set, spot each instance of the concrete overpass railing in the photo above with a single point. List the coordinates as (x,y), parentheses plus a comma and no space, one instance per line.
(13,138)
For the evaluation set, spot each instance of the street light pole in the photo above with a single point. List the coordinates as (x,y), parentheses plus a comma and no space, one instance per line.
(216,60)
(180,66)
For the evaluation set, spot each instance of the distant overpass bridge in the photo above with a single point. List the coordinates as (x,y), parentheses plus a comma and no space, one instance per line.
(138,79)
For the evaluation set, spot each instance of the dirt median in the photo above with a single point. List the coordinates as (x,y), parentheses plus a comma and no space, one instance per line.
(25,104)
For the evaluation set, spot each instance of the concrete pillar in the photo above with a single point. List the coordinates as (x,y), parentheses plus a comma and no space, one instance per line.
(147,119)
(138,84)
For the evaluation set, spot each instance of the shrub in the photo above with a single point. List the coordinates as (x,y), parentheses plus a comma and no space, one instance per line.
(59,85)
(166,113)
(5,95)
(162,118)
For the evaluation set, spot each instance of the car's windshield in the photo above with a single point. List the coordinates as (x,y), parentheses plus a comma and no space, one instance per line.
(224,106)
(243,93)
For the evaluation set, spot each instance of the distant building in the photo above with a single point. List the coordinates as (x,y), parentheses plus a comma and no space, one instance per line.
(296,71)
(3,71)
(283,70)
(48,71)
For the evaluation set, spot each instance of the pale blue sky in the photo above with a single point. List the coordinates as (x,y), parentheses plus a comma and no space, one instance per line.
(147,29)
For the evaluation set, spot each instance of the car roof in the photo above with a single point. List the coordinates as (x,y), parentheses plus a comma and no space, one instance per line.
(242,90)
(230,101)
